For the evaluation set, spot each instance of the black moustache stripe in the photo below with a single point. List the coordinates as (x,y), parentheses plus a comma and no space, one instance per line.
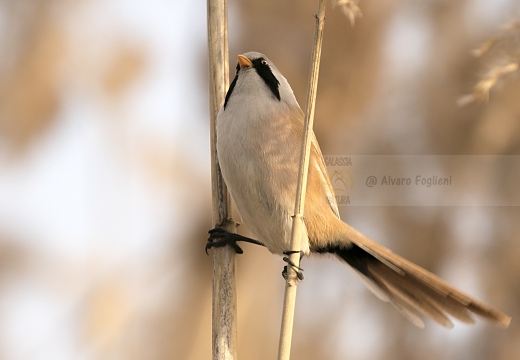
(263,69)
(232,86)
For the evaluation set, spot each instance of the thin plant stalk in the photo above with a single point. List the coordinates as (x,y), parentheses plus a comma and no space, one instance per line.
(284,349)
(224,302)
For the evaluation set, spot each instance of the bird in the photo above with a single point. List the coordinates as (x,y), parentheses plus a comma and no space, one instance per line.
(258,137)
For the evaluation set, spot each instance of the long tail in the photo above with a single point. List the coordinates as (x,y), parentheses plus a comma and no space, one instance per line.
(410,288)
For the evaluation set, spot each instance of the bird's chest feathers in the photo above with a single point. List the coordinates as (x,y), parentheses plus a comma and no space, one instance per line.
(252,128)
(258,149)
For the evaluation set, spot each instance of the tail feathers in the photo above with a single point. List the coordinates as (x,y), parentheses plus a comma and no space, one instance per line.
(412,289)
(410,296)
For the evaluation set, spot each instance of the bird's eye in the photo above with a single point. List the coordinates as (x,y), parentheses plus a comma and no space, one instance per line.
(263,62)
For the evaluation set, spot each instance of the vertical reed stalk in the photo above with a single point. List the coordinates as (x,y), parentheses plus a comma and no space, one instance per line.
(224,305)
(284,349)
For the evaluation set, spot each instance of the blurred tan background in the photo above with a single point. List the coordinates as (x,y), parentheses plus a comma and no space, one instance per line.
(105,189)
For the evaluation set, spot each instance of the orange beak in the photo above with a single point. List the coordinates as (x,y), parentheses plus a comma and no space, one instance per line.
(244,62)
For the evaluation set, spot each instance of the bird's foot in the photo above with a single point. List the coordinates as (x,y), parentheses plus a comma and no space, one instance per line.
(219,237)
(298,270)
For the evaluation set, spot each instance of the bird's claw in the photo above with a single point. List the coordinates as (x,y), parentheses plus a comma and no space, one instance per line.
(219,237)
(298,270)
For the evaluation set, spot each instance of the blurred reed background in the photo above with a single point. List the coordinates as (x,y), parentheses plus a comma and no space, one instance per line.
(104,175)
